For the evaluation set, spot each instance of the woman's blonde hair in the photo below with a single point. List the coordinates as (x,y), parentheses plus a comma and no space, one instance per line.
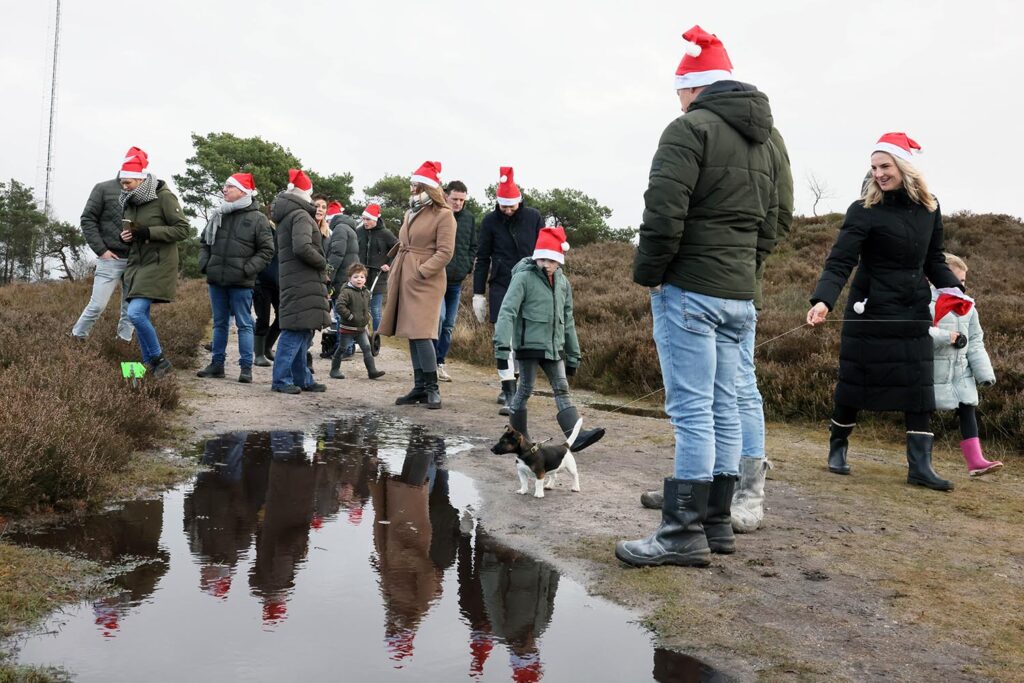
(913,181)
(436,194)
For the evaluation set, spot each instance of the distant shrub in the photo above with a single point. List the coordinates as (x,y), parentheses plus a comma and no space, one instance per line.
(797,371)
(69,421)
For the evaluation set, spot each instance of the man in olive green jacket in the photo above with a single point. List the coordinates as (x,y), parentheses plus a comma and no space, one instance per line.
(711,214)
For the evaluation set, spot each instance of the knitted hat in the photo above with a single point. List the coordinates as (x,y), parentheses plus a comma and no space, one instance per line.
(134,164)
(244,182)
(372,212)
(297,180)
(705,61)
(429,174)
(551,244)
(508,193)
(334,208)
(898,145)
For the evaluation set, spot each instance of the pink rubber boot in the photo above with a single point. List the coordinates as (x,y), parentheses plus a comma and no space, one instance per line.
(977,465)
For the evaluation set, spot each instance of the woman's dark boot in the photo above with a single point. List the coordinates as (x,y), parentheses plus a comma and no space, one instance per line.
(517,420)
(680,539)
(919,462)
(508,392)
(336,372)
(838,444)
(259,346)
(567,419)
(371,367)
(433,398)
(418,393)
(718,522)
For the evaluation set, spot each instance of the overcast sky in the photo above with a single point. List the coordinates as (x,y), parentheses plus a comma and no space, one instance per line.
(571,94)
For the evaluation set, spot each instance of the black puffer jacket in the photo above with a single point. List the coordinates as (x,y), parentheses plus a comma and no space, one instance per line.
(302,266)
(504,241)
(374,246)
(885,356)
(461,264)
(342,249)
(101,219)
(243,247)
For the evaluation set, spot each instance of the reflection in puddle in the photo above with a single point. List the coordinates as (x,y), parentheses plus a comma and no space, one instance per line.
(349,553)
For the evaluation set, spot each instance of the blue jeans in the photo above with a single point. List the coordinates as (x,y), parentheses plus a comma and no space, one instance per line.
(449,313)
(748,399)
(138,313)
(376,303)
(290,359)
(227,302)
(107,278)
(698,339)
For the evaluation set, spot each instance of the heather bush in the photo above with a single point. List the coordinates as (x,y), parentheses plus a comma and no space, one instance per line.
(70,423)
(796,365)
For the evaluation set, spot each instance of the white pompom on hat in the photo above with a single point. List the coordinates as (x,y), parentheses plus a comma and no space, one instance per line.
(508,193)
(551,244)
(704,62)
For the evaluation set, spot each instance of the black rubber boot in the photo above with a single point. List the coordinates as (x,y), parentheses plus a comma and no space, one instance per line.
(567,419)
(508,390)
(433,399)
(213,370)
(371,367)
(652,500)
(919,462)
(336,372)
(517,420)
(418,393)
(838,444)
(259,347)
(718,522)
(680,539)
(245,376)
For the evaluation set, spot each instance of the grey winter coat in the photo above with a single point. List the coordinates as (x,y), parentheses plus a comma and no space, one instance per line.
(243,247)
(101,219)
(959,371)
(342,249)
(461,264)
(302,266)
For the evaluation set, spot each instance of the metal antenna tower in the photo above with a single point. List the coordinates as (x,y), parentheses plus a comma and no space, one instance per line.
(53,113)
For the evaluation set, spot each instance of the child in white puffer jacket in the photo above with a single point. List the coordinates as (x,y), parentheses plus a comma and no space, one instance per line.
(961,364)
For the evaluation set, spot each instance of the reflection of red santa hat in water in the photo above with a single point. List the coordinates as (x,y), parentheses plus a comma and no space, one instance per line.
(355,515)
(215,580)
(400,645)
(951,300)
(317,523)
(526,668)
(275,610)
(705,61)
(107,618)
(480,646)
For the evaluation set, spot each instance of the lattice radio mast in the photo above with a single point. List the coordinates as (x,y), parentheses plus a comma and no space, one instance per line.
(53,114)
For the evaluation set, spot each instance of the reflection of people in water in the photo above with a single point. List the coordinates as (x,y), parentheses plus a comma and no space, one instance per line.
(342,482)
(403,538)
(221,509)
(282,538)
(471,602)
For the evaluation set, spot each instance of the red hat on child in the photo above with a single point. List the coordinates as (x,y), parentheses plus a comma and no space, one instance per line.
(898,145)
(244,182)
(334,208)
(429,174)
(551,244)
(134,165)
(372,212)
(705,61)
(508,193)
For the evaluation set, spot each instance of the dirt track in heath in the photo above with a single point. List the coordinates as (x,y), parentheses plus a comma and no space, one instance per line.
(859,577)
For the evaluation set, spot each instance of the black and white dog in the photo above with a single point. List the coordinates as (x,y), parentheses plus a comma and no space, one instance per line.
(540,462)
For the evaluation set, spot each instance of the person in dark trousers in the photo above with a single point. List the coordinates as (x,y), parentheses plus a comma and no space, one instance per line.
(507,236)
(101,227)
(353,308)
(458,268)
(305,307)
(375,243)
(710,216)
(266,297)
(342,251)
(235,246)
(893,236)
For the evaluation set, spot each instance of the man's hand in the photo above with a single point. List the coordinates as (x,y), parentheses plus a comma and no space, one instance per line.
(109,256)
(385,268)
(126,236)
(480,307)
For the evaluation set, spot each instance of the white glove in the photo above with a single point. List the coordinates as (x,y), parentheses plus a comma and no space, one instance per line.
(480,307)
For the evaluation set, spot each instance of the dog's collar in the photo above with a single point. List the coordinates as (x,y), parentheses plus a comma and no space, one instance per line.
(536,447)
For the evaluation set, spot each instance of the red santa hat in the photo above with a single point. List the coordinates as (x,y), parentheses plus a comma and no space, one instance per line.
(297,180)
(705,61)
(274,610)
(134,165)
(951,300)
(334,208)
(372,212)
(429,174)
(244,182)
(551,244)
(508,193)
(898,145)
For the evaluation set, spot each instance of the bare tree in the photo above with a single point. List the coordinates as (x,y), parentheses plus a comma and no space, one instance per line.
(820,189)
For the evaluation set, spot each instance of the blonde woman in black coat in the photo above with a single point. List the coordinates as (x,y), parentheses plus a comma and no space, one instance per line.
(894,233)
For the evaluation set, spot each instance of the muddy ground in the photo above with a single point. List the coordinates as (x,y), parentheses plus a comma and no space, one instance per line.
(859,577)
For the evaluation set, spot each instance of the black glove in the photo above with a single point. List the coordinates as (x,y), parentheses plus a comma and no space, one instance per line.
(501,363)
(961,340)
(570,370)
(141,233)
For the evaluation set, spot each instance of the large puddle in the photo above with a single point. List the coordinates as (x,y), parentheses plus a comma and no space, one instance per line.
(352,554)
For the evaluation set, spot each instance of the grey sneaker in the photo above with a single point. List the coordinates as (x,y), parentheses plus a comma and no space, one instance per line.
(442,374)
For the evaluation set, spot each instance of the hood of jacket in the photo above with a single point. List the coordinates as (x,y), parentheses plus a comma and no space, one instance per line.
(741,105)
(286,202)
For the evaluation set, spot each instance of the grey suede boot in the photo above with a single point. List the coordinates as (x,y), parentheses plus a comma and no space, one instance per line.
(718,521)
(567,419)
(680,539)
(259,347)
(748,499)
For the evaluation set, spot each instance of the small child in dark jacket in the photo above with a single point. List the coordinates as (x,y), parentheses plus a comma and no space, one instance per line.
(353,306)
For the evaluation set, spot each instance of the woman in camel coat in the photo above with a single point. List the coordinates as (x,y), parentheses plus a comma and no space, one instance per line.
(417,281)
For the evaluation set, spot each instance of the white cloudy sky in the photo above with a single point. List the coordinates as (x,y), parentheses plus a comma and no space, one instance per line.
(571,94)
